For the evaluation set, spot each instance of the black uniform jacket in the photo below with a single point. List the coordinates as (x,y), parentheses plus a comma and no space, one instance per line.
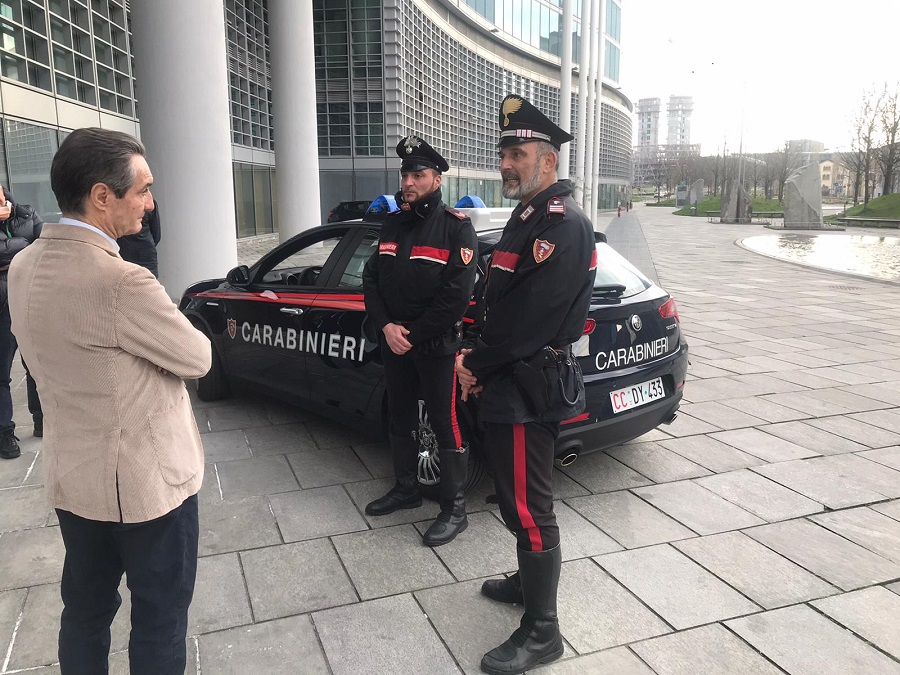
(537,293)
(16,232)
(140,248)
(423,273)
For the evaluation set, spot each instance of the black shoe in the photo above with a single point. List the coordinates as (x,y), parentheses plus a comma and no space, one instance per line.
(444,529)
(39,427)
(398,497)
(9,445)
(507,590)
(537,639)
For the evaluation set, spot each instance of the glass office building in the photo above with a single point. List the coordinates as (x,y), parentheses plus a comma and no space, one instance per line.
(384,69)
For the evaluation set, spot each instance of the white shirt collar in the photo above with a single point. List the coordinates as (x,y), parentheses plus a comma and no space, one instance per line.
(86,226)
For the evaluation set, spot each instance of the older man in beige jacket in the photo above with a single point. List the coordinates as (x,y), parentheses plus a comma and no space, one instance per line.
(124,461)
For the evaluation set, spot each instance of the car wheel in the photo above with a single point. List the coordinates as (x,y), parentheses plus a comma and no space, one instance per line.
(214,385)
(429,468)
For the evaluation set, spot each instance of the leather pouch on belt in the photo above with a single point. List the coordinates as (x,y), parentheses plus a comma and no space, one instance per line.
(550,382)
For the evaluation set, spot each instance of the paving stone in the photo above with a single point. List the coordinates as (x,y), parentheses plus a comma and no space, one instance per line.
(855,430)
(283,439)
(759,384)
(876,476)
(803,642)
(891,509)
(390,560)
(657,463)
(886,456)
(871,613)
(331,466)
(486,548)
(11,604)
(813,439)
(320,512)
(685,425)
(765,446)
(808,402)
(282,413)
(757,494)
(629,520)
(886,419)
(838,561)
(237,525)
(763,409)
(599,472)
(220,598)
(236,416)
(578,537)
(366,491)
(254,477)
(273,648)
(710,650)
(210,491)
(31,557)
(618,661)
(222,446)
(23,508)
(564,486)
(675,587)
(295,578)
(596,613)
(701,510)
(327,434)
(399,639)
(870,529)
(762,575)
(376,457)
(822,482)
(13,472)
(721,416)
(710,453)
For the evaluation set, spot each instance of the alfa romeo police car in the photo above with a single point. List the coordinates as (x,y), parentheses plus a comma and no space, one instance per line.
(294,326)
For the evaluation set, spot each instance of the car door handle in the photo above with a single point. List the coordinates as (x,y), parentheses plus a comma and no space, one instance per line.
(296,311)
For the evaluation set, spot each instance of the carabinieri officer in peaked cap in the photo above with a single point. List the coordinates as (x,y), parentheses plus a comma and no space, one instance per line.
(417,287)
(536,299)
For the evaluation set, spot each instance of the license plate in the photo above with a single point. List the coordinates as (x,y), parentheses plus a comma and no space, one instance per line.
(637,395)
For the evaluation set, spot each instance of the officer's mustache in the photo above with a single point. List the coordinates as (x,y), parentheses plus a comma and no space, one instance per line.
(510,175)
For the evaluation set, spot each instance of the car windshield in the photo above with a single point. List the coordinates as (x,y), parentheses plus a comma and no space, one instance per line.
(616,277)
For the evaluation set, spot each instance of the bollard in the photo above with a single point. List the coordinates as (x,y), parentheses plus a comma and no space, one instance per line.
(620,212)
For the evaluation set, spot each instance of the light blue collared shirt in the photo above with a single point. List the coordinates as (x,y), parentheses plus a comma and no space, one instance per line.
(86,226)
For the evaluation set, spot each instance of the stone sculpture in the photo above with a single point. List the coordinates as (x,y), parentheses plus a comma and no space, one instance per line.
(736,205)
(803,199)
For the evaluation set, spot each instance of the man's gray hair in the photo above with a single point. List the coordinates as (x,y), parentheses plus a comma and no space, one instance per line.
(543,148)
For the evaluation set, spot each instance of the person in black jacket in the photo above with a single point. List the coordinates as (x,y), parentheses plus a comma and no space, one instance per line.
(536,300)
(417,287)
(140,248)
(19,227)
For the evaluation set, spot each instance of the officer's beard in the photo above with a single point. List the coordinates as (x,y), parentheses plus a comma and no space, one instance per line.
(521,188)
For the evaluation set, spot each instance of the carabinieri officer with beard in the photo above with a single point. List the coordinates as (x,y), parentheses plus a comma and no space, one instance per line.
(536,299)
(417,287)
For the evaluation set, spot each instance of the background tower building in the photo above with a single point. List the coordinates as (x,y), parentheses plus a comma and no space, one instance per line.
(679,118)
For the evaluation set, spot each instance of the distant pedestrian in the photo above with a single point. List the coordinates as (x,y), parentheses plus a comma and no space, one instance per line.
(140,248)
(19,227)
(108,349)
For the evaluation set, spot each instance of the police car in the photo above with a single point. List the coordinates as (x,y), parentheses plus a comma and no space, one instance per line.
(294,326)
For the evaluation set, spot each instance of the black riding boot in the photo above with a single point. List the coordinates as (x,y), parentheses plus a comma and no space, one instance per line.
(452,519)
(537,639)
(507,590)
(405,493)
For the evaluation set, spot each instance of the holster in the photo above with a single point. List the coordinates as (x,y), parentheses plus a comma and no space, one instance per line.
(551,384)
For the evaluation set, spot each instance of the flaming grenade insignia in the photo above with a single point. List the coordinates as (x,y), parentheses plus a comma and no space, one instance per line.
(510,106)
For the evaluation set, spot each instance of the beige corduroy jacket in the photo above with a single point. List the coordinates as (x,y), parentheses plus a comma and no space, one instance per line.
(120,439)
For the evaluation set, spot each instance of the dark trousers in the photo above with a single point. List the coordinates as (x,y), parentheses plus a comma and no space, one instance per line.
(7,353)
(159,559)
(34,401)
(433,379)
(521,457)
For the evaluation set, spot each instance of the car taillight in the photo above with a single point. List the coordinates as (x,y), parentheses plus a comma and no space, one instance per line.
(669,310)
(589,326)
(330,213)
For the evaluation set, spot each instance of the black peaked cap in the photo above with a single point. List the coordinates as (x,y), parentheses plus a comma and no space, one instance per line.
(521,122)
(417,155)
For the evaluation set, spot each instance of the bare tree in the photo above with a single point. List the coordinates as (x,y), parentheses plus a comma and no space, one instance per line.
(865,124)
(887,155)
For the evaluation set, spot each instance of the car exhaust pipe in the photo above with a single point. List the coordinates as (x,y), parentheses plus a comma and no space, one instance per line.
(566,459)
(568,454)
(670,418)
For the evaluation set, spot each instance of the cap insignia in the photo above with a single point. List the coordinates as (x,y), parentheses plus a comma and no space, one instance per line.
(510,105)
(410,143)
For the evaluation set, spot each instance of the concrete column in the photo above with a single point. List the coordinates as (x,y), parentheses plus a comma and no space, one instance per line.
(584,67)
(591,109)
(565,85)
(182,90)
(598,113)
(294,116)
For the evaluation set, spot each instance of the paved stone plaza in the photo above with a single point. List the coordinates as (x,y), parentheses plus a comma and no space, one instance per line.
(759,533)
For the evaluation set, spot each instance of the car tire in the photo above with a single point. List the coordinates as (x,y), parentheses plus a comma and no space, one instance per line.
(214,385)
(429,462)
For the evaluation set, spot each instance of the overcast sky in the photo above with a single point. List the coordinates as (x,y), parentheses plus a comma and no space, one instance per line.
(791,68)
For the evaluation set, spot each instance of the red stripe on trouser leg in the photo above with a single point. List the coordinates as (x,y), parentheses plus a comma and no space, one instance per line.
(520,480)
(454,422)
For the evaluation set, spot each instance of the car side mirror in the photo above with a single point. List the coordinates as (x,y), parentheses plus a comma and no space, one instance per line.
(239,276)
(599,238)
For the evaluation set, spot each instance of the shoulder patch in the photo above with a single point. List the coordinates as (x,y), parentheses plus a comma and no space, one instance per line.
(454,212)
(542,249)
(556,206)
